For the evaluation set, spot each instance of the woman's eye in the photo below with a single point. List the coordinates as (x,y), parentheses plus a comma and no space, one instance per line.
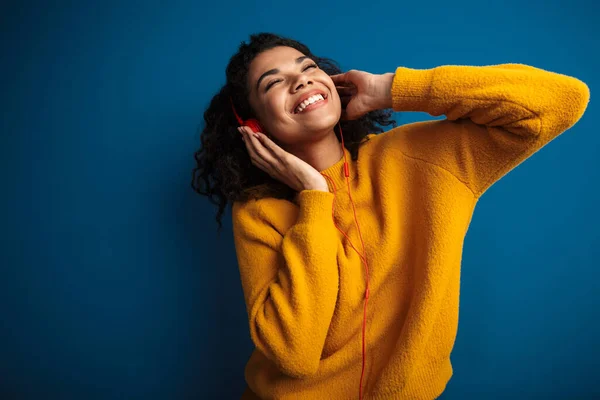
(272,83)
(279,80)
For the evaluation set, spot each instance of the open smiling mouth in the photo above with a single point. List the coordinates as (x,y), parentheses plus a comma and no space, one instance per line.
(312,103)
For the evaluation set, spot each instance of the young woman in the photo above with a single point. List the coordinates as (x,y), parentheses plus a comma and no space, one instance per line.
(349,239)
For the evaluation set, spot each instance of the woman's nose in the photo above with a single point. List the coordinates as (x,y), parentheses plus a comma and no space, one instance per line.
(302,81)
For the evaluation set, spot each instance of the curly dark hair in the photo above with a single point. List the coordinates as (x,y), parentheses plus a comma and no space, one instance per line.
(224,171)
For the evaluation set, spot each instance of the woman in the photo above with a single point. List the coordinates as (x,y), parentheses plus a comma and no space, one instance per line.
(412,189)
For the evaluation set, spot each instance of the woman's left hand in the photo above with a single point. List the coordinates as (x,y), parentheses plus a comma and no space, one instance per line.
(362,92)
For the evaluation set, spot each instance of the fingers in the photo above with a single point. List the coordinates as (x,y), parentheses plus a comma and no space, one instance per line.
(345,100)
(340,78)
(346,90)
(277,151)
(259,154)
(247,138)
(267,143)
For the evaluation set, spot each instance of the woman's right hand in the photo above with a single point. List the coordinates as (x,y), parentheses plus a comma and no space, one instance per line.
(281,165)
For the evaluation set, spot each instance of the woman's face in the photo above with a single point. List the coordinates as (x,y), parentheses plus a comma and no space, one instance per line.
(279,79)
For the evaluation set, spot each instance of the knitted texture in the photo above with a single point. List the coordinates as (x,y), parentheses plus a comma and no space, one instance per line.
(415,188)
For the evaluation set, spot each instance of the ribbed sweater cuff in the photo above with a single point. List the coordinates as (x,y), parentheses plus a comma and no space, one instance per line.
(315,206)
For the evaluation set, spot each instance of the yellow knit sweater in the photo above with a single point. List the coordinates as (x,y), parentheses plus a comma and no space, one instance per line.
(415,188)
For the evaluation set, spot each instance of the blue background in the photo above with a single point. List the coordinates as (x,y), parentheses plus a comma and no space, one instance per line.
(113,281)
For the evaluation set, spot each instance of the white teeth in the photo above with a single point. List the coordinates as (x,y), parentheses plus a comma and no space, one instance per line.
(310,100)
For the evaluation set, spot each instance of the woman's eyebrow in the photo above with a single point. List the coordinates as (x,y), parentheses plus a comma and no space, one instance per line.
(276,71)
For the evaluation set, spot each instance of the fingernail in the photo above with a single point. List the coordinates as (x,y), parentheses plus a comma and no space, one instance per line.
(256,135)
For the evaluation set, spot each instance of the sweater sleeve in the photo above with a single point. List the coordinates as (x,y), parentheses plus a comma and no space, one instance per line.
(290,282)
(496,116)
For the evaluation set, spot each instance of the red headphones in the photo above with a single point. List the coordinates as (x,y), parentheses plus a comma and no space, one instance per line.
(251,123)
(256,127)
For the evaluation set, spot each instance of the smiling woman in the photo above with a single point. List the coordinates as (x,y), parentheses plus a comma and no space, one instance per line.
(279,92)
(267,79)
(412,190)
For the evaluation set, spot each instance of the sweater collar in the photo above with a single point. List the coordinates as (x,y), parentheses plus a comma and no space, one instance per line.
(336,173)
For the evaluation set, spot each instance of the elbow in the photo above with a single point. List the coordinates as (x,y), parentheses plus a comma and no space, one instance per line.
(292,341)
(299,366)
(566,107)
(584,97)
(297,358)
(295,361)
(576,98)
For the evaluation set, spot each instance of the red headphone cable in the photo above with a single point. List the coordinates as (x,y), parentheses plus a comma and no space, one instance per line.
(347,174)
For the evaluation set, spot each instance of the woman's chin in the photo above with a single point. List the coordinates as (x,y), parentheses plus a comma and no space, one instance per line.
(320,120)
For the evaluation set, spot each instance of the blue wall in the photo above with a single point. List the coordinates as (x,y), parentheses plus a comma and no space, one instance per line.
(113,281)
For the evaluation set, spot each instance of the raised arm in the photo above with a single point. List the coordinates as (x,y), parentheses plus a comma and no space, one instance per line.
(290,282)
(497,115)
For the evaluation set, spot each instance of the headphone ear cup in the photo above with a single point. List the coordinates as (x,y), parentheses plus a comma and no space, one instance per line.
(254,125)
